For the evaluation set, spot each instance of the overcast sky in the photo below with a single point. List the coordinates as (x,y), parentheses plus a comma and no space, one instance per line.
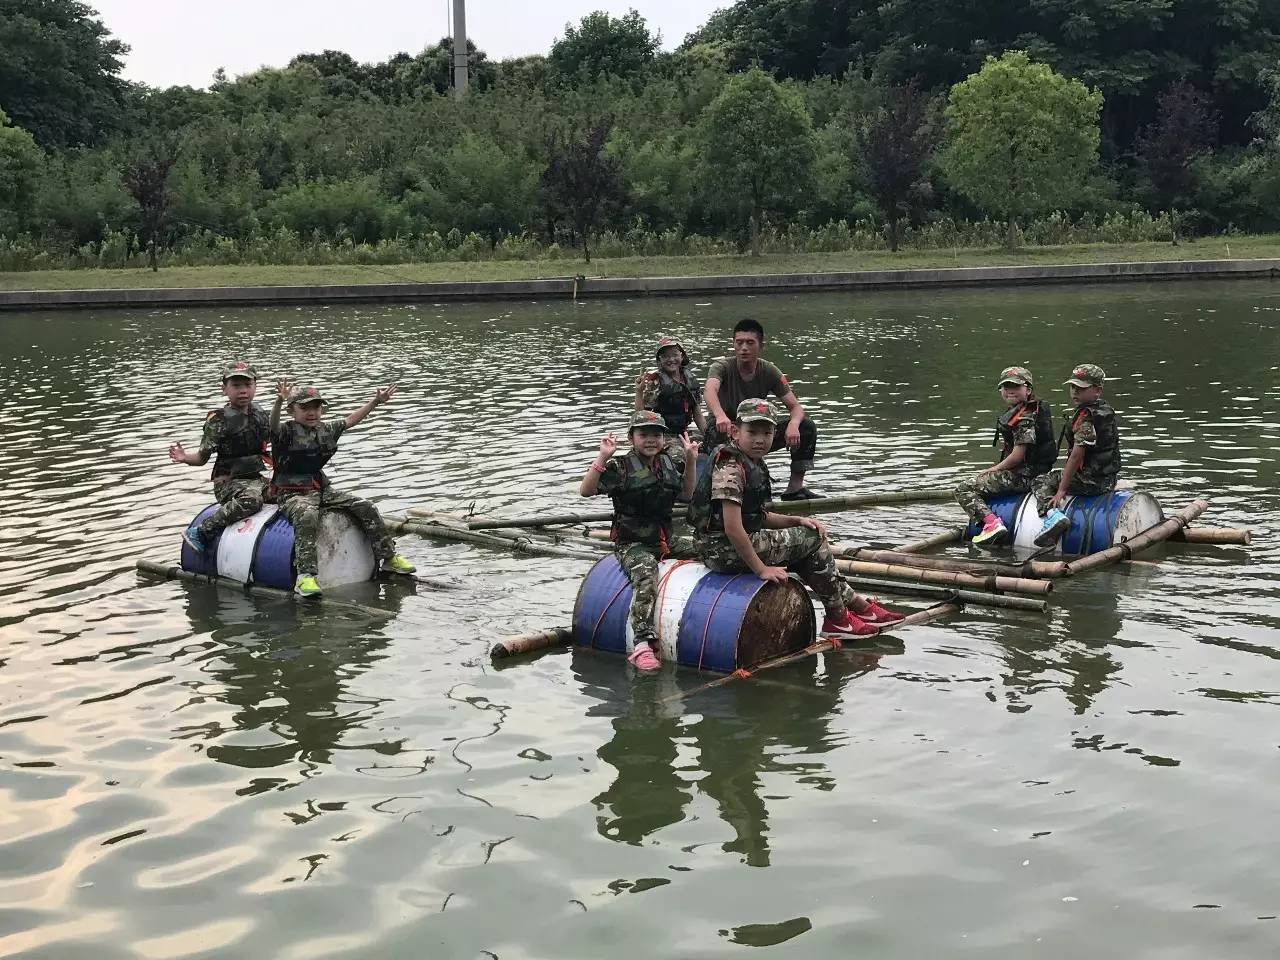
(184,41)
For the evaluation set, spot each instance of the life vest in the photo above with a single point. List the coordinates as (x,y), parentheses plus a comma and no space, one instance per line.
(1044,452)
(706,515)
(301,457)
(676,401)
(243,443)
(642,507)
(1103,458)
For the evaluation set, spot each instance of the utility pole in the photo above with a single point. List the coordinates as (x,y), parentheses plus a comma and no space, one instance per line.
(460,59)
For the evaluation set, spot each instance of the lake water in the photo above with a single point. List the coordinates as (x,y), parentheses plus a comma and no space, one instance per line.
(187,771)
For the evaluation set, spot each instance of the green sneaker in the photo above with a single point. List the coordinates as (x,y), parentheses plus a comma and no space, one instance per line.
(306,586)
(397,564)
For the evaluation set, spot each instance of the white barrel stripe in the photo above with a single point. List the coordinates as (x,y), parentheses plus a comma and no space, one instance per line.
(681,579)
(238,543)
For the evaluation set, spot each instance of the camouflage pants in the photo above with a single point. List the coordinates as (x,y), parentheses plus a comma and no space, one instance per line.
(303,511)
(1046,485)
(639,562)
(238,499)
(800,550)
(971,493)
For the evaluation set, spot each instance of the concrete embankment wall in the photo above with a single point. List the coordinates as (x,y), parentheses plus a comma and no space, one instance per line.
(589,287)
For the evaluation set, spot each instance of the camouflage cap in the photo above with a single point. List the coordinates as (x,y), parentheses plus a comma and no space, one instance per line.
(306,395)
(647,418)
(1087,375)
(1018,376)
(758,410)
(664,342)
(238,368)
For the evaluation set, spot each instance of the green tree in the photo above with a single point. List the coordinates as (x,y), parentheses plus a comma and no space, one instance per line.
(896,142)
(1021,139)
(20,165)
(602,45)
(146,177)
(477,187)
(1184,130)
(59,71)
(581,182)
(758,147)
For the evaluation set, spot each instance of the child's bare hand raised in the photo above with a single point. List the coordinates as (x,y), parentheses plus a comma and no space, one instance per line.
(608,445)
(284,387)
(690,446)
(384,394)
(176,452)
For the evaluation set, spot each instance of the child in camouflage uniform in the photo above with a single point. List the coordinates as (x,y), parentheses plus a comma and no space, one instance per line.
(736,532)
(1093,453)
(238,435)
(644,485)
(674,393)
(300,449)
(1029,448)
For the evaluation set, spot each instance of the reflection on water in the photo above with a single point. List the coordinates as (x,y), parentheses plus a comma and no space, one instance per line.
(188,771)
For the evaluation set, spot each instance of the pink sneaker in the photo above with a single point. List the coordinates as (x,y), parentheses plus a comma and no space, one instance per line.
(880,615)
(643,658)
(849,626)
(993,532)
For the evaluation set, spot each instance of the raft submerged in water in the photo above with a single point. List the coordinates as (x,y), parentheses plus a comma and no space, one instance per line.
(259,549)
(710,621)
(1097,522)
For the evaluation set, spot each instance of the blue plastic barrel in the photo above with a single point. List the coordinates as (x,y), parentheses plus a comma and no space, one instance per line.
(711,621)
(1097,522)
(259,549)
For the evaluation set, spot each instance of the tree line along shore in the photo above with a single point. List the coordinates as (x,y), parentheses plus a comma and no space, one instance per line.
(810,133)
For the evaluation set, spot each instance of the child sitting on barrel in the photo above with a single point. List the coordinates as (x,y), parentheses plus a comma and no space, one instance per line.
(238,435)
(300,449)
(1093,454)
(736,532)
(1028,450)
(643,485)
(674,393)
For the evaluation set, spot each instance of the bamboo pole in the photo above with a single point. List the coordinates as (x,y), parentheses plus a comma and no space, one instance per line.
(1030,569)
(531,642)
(953,578)
(1142,541)
(953,535)
(979,598)
(1224,536)
(821,646)
(801,507)
(164,571)
(455,521)
(853,500)
(514,545)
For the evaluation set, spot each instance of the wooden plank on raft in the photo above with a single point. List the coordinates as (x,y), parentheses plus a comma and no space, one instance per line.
(943,609)
(1148,538)
(803,507)
(953,535)
(1224,536)
(980,598)
(523,545)
(165,571)
(948,577)
(531,642)
(1029,569)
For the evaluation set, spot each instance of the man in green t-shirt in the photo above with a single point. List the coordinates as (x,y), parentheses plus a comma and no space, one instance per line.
(744,376)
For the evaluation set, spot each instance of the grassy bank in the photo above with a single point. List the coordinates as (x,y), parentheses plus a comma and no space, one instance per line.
(1253,247)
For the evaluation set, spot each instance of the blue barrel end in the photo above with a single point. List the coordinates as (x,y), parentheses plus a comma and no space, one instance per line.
(273,560)
(1093,522)
(207,562)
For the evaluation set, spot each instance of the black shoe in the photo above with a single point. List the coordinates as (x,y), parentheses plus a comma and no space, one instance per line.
(804,493)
